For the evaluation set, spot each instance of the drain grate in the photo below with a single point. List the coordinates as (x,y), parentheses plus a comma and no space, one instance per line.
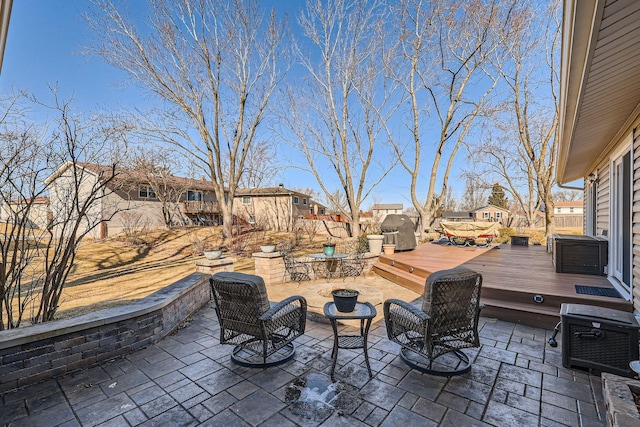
(597,291)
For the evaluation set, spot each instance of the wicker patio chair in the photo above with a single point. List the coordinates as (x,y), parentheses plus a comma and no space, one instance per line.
(296,269)
(261,332)
(353,264)
(446,323)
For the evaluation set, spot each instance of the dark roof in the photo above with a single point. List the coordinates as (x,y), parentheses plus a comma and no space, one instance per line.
(274,191)
(465,214)
(490,206)
(131,175)
(381,206)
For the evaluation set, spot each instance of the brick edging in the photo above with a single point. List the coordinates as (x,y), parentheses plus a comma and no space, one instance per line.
(34,353)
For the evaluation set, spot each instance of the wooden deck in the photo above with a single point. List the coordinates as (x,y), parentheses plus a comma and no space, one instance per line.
(512,277)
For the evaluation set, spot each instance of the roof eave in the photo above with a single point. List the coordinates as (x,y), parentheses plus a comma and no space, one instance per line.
(581,23)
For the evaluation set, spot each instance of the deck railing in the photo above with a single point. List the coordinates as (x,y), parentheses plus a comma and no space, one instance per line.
(200,206)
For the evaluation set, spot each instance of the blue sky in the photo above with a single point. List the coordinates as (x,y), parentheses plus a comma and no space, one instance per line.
(43,49)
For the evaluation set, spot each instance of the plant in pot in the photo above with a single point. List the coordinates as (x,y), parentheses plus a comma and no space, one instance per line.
(329,248)
(345,299)
(375,242)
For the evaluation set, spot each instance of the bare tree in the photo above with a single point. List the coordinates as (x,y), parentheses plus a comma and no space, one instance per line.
(260,166)
(443,67)
(567,196)
(530,69)
(214,65)
(499,158)
(338,123)
(475,192)
(39,241)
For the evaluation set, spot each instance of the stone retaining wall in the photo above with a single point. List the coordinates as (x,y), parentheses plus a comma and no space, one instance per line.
(34,353)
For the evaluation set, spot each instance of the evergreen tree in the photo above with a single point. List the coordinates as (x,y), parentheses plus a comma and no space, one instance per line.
(497,197)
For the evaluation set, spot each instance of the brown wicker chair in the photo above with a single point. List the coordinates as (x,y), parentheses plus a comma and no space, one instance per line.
(262,333)
(447,323)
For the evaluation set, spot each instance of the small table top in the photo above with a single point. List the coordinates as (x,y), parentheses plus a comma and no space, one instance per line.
(323,256)
(363,310)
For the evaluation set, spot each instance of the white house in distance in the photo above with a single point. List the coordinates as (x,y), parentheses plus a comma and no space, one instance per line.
(381,210)
(574,207)
(599,128)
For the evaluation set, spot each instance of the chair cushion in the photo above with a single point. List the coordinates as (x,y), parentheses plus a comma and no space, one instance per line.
(250,280)
(451,274)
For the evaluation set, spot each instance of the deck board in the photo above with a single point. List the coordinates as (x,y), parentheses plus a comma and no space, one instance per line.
(512,276)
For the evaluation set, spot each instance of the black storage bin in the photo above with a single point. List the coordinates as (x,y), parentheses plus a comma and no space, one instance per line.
(598,338)
(580,254)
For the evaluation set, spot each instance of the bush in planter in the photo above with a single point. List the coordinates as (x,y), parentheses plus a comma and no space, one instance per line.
(329,247)
(362,245)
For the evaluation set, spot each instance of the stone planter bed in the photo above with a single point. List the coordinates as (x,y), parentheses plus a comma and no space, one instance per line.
(35,353)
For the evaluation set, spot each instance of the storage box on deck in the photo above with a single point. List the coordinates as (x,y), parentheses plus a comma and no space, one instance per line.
(598,338)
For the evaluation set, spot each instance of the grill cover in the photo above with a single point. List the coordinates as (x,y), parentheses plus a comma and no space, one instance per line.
(398,229)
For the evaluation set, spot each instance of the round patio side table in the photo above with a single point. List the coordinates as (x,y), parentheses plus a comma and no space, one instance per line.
(363,311)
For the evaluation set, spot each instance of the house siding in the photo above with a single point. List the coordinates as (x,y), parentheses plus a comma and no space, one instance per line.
(635,226)
(61,193)
(602,208)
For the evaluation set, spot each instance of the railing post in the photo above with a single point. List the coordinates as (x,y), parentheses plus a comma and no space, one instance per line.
(269,266)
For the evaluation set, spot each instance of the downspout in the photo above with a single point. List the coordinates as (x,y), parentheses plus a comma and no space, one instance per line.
(569,187)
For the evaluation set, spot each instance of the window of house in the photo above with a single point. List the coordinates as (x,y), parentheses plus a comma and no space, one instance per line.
(252,219)
(304,201)
(498,215)
(321,211)
(295,200)
(194,195)
(246,200)
(570,210)
(485,215)
(146,192)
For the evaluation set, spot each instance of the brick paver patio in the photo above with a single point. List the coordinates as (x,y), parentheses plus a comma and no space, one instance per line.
(188,379)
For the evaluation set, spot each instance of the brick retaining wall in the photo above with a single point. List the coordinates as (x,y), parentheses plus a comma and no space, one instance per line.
(34,353)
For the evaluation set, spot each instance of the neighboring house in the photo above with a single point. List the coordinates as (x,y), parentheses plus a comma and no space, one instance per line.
(599,127)
(457,216)
(491,213)
(39,215)
(381,210)
(131,202)
(274,208)
(569,208)
(567,214)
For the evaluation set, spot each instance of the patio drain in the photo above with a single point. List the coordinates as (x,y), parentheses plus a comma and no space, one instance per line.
(316,398)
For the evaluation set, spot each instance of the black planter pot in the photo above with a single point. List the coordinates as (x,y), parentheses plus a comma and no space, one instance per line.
(345,299)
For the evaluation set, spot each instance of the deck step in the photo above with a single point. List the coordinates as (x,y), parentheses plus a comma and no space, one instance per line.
(520,284)
(528,314)
(403,278)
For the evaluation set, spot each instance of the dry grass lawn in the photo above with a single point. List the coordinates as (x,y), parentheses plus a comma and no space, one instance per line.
(116,272)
